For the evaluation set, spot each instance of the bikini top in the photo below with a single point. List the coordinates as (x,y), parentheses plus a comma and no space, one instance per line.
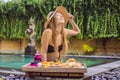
(51,48)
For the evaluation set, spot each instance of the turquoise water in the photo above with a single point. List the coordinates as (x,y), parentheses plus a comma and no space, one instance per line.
(17,61)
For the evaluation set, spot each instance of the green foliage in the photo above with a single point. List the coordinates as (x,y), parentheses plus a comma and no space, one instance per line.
(96,18)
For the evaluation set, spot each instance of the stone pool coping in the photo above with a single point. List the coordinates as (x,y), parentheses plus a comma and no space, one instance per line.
(100,69)
(87,76)
(93,56)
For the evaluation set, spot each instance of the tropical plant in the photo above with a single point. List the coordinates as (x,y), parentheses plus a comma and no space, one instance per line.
(88,49)
(96,19)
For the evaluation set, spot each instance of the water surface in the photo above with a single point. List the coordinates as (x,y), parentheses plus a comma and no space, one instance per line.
(17,61)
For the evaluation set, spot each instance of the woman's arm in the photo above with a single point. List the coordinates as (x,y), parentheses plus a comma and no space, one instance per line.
(75,29)
(44,43)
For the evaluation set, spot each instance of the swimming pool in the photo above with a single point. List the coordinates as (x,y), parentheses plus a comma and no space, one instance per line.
(17,61)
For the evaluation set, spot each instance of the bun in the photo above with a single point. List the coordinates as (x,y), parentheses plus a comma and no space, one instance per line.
(64,65)
(73,63)
(71,60)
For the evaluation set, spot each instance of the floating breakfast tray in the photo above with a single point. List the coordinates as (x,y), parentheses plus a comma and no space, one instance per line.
(54,71)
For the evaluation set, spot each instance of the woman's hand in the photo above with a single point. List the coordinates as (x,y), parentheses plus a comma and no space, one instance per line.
(70,16)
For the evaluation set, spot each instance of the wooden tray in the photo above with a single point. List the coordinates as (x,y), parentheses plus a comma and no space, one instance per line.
(54,71)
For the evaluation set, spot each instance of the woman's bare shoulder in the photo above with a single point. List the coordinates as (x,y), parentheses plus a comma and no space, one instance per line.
(47,32)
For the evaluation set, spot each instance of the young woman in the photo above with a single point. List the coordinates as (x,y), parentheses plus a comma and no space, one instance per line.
(54,38)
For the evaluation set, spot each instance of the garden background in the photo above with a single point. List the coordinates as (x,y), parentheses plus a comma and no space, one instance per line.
(98,20)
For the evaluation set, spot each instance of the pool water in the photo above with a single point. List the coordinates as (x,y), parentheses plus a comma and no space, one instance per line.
(17,61)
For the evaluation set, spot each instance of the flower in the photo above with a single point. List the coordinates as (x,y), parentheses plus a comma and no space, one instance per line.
(88,48)
(38,57)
